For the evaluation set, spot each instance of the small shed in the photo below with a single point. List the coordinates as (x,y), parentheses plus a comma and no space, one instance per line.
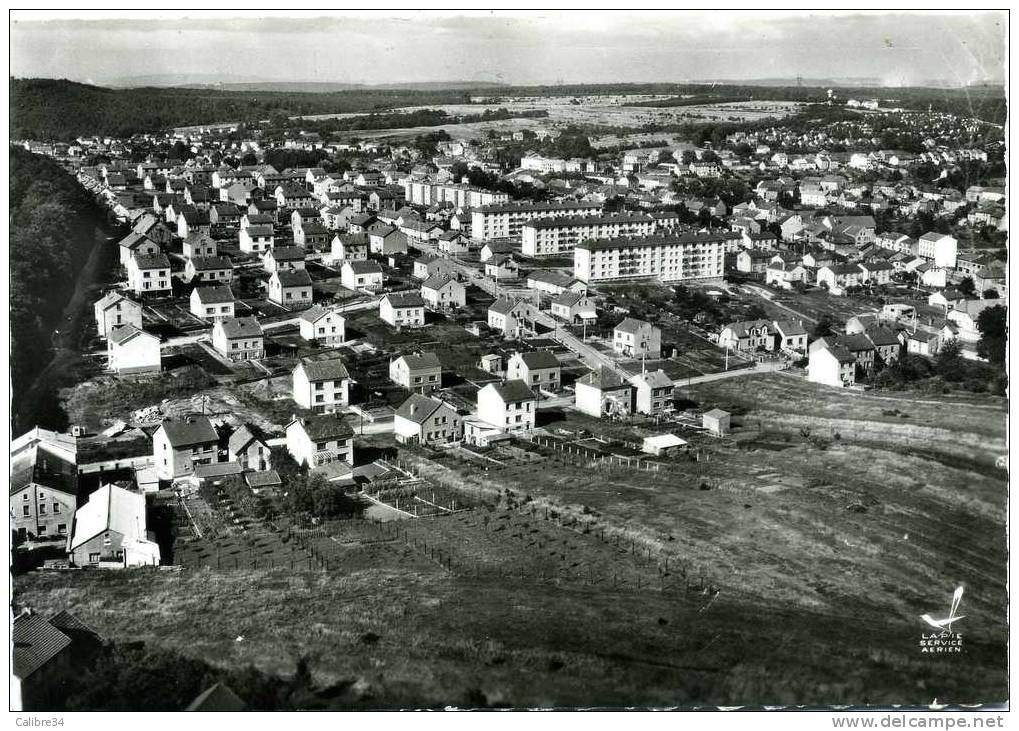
(491,363)
(716,421)
(662,444)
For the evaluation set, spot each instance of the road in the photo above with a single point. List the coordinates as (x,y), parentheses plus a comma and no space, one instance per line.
(739,372)
(770,297)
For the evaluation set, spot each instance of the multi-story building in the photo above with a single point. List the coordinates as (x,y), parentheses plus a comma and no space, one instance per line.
(506,221)
(634,338)
(428,193)
(238,338)
(322,324)
(942,249)
(322,386)
(180,444)
(510,406)
(553,236)
(149,274)
(666,258)
(320,440)
(115,309)
(401,309)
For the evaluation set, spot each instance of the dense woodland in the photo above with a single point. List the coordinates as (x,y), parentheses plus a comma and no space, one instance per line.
(57,109)
(53,228)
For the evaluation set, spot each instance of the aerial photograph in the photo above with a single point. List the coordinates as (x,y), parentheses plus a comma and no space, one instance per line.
(464,360)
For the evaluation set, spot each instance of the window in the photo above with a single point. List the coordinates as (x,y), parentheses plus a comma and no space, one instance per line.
(322,446)
(62,528)
(56,507)
(26,509)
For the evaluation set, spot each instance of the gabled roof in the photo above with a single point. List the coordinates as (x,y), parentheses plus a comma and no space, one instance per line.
(363,266)
(317,312)
(437,281)
(790,327)
(512,391)
(632,325)
(881,336)
(539,359)
(293,278)
(110,508)
(331,369)
(258,230)
(207,263)
(604,379)
(568,298)
(654,379)
(151,261)
(135,239)
(325,426)
(122,333)
(240,327)
(35,643)
(855,343)
(189,430)
(741,329)
(418,408)
(217,698)
(404,299)
(421,361)
(214,294)
(504,305)
(112,298)
(245,435)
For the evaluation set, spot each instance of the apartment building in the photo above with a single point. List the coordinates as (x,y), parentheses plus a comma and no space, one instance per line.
(666,258)
(428,193)
(553,236)
(506,221)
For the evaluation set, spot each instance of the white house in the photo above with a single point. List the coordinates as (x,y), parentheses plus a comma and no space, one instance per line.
(238,338)
(132,350)
(603,393)
(198,245)
(283,258)
(942,249)
(417,372)
(255,239)
(323,324)
(349,247)
(512,317)
(290,287)
(320,440)
(634,338)
(510,405)
(539,369)
(652,393)
(180,444)
(360,274)
(149,274)
(402,309)
(215,301)
(322,386)
(573,307)
(110,530)
(831,365)
(426,420)
(442,292)
(115,309)
(216,269)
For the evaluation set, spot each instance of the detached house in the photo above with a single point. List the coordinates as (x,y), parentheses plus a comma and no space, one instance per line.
(604,393)
(573,307)
(255,239)
(791,335)
(136,244)
(248,447)
(634,338)
(652,393)
(322,386)
(322,324)
(216,269)
(831,365)
(539,369)
(421,372)
(149,274)
(349,247)
(178,445)
(132,350)
(193,222)
(510,406)
(320,440)
(747,336)
(385,240)
(115,309)
(357,274)
(110,530)
(427,420)
(283,258)
(442,292)
(210,303)
(238,338)
(291,287)
(198,245)
(402,310)
(513,318)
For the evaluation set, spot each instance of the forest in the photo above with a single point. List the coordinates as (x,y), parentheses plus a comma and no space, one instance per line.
(53,227)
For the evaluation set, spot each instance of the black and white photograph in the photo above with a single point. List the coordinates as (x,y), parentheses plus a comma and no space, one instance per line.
(467,360)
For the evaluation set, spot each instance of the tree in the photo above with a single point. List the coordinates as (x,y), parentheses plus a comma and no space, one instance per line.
(992,323)
(688,157)
(991,294)
(948,363)
(966,286)
(825,326)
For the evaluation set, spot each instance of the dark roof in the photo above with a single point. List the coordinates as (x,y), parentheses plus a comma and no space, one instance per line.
(503,305)
(214,294)
(217,698)
(287,253)
(405,299)
(790,327)
(418,408)
(632,325)
(123,333)
(512,391)
(190,430)
(205,263)
(331,369)
(604,379)
(358,239)
(881,336)
(263,478)
(421,361)
(258,229)
(326,426)
(653,241)
(855,343)
(241,327)
(259,219)
(525,207)
(293,278)
(152,261)
(437,281)
(539,359)
(36,642)
(364,266)
(606,219)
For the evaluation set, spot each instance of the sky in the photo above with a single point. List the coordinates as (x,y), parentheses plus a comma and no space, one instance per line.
(514,48)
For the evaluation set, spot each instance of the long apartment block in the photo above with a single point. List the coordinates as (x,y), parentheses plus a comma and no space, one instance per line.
(665,258)
(506,221)
(554,236)
(428,193)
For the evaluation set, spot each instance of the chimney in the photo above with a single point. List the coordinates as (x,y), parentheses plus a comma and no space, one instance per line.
(413,408)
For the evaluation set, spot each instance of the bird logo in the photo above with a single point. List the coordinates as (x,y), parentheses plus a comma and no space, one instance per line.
(946,623)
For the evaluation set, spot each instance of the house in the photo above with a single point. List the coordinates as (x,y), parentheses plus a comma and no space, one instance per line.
(320,440)
(248,447)
(135,244)
(861,348)
(453,243)
(495,248)
(512,317)
(501,266)
(947,298)
(510,405)
(879,273)
(754,261)
(180,444)
(311,234)
(349,247)
(149,274)
(290,287)
(132,350)
(42,660)
(283,258)
(791,335)
(256,238)
(110,530)
(634,338)
(443,292)
(43,495)
(256,217)
(264,481)
(192,222)
(238,338)
(831,365)
(420,372)
(652,393)
(358,274)
(747,335)
(293,196)
(941,249)
(212,302)
(198,245)
(838,277)
(324,325)
(224,214)
(923,343)
(573,307)
(966,314)
(716,422)
(115,309)
(216,269)
(604,393)
(426,420)
(361,223)
(886,343)
(385,240)
(401,309)
(539,369)
(322,386)
(428,266)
